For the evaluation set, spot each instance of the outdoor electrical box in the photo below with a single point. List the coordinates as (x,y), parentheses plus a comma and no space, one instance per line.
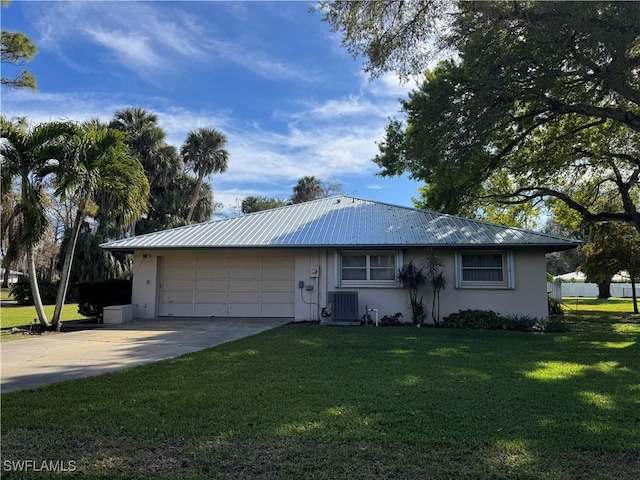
(314,271)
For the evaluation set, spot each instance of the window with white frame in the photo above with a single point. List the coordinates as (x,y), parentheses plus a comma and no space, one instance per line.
(368,268)
(486,269)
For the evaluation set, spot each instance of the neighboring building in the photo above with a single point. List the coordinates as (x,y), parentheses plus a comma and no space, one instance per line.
(14,276)
(295,260)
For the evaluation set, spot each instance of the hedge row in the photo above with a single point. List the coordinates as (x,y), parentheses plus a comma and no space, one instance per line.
(490,320)
(94,296)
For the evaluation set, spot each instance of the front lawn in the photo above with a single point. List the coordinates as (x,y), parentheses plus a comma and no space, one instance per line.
(597,306)
(305,401)
(21,317)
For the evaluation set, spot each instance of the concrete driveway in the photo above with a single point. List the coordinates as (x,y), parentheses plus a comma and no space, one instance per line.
(52,358)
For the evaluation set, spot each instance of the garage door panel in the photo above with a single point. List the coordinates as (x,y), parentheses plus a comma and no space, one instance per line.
(211,297)
(278,262)
(244,309)
(212,261)
(244,285)
(276,310)
(172,296)
(277,286)
(276,297)
(178,262)
(179,272)
(175,284)
(244,297)
(254,262)
(212,285)
(210,309)
(211,272)
(277,274)
(243,273)
(176,309)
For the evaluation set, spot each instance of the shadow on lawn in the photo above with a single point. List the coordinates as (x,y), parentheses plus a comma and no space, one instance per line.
(493,388)
(386,403)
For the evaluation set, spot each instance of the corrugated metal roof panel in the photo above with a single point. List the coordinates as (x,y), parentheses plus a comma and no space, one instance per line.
(341,221)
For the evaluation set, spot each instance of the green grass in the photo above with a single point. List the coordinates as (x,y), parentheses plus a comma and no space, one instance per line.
(4,294)
(18,316)
(304,401)
(592,305)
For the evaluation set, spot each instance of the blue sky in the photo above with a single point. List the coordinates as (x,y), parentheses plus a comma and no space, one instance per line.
(270,75)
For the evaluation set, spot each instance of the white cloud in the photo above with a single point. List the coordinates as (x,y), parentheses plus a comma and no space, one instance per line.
(129,49)
(166,39)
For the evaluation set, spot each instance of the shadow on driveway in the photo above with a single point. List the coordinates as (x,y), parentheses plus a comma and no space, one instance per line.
(53,358)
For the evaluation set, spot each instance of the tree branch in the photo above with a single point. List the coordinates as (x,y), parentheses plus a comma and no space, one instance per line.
(627,118)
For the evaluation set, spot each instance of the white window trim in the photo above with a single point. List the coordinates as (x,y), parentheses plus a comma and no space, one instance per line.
(339,282)
(507,267)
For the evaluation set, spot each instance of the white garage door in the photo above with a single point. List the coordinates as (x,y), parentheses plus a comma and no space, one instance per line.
(227,286)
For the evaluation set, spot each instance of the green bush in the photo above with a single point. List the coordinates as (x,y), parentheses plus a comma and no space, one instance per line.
(519,323)
(551,325)
(490,320)
(21,292)
(482,319)
(555,306)
(94,296)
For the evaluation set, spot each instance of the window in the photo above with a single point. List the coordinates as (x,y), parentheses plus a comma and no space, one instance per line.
(368,268)
(484,270)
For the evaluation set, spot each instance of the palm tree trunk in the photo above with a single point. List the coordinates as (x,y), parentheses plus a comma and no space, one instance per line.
(66,268)
(35,290)
(633,294)
(7,271)
(194,198)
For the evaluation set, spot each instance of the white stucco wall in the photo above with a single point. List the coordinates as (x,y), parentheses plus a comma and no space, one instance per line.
(528,297)
(145,284)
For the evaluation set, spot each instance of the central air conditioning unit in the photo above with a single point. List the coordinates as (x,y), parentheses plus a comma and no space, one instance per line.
(344,306)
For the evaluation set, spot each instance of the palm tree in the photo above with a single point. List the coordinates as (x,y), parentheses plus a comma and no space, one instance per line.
(9,224)
(27,155)
(203,152)
(100,176)
(147,140)
(307,189)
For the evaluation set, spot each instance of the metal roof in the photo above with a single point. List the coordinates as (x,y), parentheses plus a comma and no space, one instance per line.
(342,221)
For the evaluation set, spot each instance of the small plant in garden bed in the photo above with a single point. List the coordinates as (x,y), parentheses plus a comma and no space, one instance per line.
(555,306)
(482,319)
(394,320)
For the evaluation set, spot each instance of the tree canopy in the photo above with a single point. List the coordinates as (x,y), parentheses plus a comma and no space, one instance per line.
(253,204)
(612,248)
(538,101)
(15,49)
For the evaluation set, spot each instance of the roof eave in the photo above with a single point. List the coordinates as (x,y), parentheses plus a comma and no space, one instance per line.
(549,248)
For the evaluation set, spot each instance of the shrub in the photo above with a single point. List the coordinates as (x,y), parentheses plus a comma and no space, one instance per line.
(555,306)
(21,292)
(551,325)
(484,319)
(490,320)
(394,320)
(94,296)
(519,323)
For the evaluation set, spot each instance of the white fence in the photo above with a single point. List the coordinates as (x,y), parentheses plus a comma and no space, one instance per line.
(560,290)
